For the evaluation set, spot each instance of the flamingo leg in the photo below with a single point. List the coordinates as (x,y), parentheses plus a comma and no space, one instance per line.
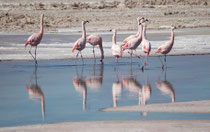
(82,57)
(161,62)
(35,55)
(165,60)
(77,54)
(131,53)
(94,52)
(144,63)
(31,53)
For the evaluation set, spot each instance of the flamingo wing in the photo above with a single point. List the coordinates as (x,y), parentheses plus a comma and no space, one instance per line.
(34,39)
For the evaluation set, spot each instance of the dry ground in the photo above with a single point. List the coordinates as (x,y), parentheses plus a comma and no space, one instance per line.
(23,16)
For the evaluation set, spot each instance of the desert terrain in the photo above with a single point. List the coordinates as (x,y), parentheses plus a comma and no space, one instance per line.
(66,15)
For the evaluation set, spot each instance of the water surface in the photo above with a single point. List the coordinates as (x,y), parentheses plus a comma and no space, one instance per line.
(62,90)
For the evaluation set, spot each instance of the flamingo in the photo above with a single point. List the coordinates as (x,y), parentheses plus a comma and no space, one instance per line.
(132,36)
(134,42)
(145,44)
(166,47)
(36,38)
(116,52)
(95,39)
(81,42)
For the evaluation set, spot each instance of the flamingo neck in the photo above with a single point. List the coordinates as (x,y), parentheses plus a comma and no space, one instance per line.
(102,51)
(114,38)
(42,26)
(172,37)
(140,31)
(144,32)
(83,31)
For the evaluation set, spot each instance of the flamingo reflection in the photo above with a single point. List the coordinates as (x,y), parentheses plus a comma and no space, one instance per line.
(144,94)
(80,86)
(166,87)
(132,85)
(35,92)
(95,81)
(116,89)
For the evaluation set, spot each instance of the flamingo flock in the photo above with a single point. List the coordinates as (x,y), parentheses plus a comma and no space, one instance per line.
(131,43)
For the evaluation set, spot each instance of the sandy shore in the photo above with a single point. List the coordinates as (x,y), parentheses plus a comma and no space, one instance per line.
(66,16)
(181,107)
(117,126)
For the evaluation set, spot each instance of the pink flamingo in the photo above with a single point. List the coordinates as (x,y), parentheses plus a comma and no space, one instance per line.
(95,39)
(81,42)
(166,47)
(36,38)
(116,51)
(145,44)
(134,42)
(133,36)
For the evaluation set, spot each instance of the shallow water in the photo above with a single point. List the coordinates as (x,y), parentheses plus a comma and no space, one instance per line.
(63,90)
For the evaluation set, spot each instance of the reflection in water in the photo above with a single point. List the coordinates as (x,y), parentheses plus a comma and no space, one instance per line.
(116,89)
(144,94)
(95,81)
(80,85)
(166,87)
(35,92)
(132,85)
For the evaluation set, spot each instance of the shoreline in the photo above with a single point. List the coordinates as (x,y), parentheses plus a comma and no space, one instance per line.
(110,56)
(104,126)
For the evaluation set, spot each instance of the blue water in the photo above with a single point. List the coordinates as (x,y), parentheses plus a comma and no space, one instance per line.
(188,75)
